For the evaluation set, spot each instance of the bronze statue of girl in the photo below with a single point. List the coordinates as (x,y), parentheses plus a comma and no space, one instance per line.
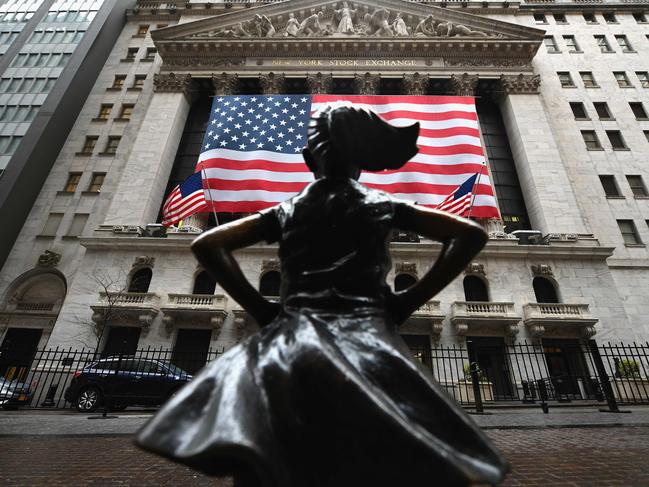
(327,394)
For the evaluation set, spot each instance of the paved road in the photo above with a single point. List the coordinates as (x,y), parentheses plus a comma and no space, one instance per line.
(68,449)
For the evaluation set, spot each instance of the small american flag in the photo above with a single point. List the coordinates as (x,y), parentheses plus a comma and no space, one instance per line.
(459,201)
(252,149)
(186,199)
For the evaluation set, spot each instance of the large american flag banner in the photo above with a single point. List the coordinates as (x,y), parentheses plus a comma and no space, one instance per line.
(251,152)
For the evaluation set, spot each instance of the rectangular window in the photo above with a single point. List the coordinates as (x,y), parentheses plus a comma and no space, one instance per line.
(602,110)
(54,60)
(64,59)
(590,18)
(73,182)
(111,144)
(637,186)
(20,115)
(38,85)
(609,18)
(622,79)
(588,79)
(131,53)
(603,44)
(127,111)
(15,85)
(616,140)
(31,114)
(560,19)
(565,79)
(52,224)
(89,144)
(540,19)
(623,42)
(31,60)
(643,76)
(8,113)
(9,144)
(138,81)
(609,184)
(142,30)
(118,82)
(578,110)
(591,140)
(629,232)
(49,84)
(19,61)
(104,111)
(150,54)
(96,182)
(640,17)
(77,225)
(551,44)
(571,43)
(638,110)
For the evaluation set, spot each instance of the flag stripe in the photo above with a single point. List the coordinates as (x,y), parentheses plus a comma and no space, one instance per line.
(252,150)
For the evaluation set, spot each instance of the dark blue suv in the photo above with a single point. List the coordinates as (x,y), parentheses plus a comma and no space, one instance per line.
(124,381)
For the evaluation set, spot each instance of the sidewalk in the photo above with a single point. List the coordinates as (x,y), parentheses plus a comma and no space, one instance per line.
(71,423)
(569,447)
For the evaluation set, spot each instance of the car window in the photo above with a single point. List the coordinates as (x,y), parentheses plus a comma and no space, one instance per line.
(150,367)
(105,365)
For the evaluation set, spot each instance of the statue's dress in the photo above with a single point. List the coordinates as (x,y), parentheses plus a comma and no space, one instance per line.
(328,393)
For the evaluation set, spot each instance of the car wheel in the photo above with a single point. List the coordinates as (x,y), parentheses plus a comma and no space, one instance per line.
(88,399)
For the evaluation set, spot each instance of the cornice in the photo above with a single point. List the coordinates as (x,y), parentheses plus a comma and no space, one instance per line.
(496,248)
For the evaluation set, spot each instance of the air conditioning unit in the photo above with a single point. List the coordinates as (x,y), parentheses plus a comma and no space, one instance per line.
(155,230)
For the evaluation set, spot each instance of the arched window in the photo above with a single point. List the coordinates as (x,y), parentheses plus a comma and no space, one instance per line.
(140,281)
(269,283)
(204,284)
(544,290)
(475,289)
(403,281)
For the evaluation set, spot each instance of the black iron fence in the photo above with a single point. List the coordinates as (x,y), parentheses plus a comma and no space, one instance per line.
(42,377)
(544,374)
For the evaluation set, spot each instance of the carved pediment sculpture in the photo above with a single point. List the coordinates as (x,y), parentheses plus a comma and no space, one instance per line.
(347,20)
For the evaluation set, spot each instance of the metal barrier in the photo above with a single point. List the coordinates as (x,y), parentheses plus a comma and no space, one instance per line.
(524,373)
(42,381)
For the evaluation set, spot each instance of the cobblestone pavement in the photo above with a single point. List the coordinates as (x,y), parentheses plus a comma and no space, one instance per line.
(590,456)
(59,422)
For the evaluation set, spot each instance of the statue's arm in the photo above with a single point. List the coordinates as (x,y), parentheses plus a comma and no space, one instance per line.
(214,248)
(462,241)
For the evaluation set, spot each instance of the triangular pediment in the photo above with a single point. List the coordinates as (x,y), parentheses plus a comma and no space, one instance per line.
(320,28)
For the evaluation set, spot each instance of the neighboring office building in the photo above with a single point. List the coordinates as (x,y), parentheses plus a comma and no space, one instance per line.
(52,51)
(563,127)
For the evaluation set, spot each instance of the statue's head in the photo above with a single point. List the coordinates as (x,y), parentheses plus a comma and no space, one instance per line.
(343,141)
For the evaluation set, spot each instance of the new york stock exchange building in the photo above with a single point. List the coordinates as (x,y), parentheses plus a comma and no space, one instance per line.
(562,96)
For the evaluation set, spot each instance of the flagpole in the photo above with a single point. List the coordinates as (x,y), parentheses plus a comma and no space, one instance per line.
(475,183)
(209,191)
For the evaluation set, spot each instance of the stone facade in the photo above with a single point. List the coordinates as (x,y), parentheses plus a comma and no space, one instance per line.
(602,283)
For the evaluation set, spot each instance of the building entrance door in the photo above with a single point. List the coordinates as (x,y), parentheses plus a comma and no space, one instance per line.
(567,368)
(491,355)
(190,350)
(17,351)
(121,340)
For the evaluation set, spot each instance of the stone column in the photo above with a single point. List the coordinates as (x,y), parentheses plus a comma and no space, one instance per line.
(319,84)
(538,161)
(140,191)
(415,84)
(225,84)
(367,84)
(271,83)
(464,84)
